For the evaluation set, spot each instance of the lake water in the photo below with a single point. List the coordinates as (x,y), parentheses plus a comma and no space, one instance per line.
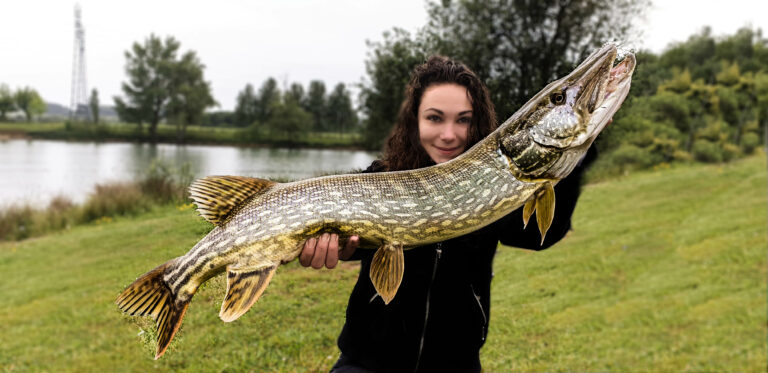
(37,170)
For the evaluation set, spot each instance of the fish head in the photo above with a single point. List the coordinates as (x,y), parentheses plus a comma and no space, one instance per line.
(548,136)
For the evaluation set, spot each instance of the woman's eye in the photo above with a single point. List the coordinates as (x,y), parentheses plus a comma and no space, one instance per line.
(466,120)
(433,118)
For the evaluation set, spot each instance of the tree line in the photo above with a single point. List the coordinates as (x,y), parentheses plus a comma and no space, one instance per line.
(327,112)
(705,99)
(164,85)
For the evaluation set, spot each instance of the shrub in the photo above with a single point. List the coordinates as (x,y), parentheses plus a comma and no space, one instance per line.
(16,222)
(730,152)
(631,155)
(114,199)
(749,142)
(163,183)
(707,151)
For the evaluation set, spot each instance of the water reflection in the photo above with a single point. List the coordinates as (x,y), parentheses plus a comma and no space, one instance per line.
(37,170)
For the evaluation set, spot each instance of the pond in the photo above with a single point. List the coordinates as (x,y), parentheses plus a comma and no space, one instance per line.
(34,171)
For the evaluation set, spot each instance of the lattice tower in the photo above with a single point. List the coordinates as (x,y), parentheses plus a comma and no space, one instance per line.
(78,105)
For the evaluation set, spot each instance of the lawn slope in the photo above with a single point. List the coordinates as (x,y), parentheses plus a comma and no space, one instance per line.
(664,271)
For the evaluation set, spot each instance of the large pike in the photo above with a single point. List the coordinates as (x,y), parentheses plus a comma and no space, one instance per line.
(261,224)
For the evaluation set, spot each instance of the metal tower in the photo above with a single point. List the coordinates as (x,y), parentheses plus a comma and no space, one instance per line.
(78,105)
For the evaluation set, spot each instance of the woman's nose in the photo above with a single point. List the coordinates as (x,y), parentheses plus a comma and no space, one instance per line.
(448,132)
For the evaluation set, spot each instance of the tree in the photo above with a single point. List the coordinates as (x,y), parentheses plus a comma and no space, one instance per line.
(190,93)
(296,93)
(7,103)
(30,102)
(388,67)
(269,96)
(245,109)
(316,105)
(340,115)
(518,47)
(289,119)
(93,103)
(161,86)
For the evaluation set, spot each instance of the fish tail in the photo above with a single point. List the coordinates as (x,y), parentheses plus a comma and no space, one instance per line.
(149,295)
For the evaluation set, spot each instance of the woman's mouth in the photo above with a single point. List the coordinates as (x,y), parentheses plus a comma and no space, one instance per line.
(446,151)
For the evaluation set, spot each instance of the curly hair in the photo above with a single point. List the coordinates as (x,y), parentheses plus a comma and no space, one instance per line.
(403,150)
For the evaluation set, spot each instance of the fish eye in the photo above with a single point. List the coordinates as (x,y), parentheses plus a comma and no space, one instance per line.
(557,98)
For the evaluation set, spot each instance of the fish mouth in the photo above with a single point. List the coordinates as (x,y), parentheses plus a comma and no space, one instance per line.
(604,88)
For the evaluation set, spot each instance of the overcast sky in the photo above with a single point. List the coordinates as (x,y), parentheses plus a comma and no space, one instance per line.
(249,41)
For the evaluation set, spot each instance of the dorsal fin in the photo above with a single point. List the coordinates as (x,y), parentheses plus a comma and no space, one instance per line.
(217,196)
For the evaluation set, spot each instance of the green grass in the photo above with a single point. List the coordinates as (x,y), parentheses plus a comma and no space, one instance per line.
(664,271)
(167,133)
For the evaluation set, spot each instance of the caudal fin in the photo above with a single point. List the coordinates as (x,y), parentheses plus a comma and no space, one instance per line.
(151,296)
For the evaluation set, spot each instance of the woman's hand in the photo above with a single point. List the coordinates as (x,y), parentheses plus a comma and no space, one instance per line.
(324,250)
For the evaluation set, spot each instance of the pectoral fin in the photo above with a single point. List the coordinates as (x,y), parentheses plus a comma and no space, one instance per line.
(387,271)
(244,287)
(545,209)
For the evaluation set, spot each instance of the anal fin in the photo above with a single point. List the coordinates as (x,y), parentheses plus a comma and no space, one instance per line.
(244,287)
(387,270)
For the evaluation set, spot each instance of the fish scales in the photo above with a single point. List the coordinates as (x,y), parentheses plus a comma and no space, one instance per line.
(261,224)
(406,189)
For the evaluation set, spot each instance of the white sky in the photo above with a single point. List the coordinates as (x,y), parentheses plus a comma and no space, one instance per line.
(248,41)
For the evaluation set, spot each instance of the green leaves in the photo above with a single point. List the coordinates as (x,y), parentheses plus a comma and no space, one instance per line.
(163,86)
(29,101)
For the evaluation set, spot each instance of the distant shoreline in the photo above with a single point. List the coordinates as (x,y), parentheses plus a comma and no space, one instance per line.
(197,135)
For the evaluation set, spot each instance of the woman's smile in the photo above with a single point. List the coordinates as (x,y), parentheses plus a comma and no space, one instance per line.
(445,114)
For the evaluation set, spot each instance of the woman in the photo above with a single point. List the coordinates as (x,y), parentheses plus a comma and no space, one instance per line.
(438,321)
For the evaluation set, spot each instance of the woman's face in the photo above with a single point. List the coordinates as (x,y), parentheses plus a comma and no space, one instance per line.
(445,113)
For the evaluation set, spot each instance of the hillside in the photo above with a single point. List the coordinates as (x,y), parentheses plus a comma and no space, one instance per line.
(664,271)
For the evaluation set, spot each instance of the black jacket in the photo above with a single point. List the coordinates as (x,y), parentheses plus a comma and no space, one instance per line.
(438,321)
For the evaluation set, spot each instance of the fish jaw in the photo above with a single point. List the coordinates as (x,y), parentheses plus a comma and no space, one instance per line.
(550,134)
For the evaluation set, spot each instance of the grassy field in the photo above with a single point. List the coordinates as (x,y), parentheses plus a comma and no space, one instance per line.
(167,133)
(664,271)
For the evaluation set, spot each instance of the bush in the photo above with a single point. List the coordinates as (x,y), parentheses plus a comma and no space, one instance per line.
(114,199)
(749,142)
(730,152)
(163,183)
(707,151)
(631,155)
(16,222)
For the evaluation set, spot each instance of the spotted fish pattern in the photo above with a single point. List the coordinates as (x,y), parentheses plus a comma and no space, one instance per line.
(260,225)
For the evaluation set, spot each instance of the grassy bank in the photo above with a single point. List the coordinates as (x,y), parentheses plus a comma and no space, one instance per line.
(167,134)
(664,271)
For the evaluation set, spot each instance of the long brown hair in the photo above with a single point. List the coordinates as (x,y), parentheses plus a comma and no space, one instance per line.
(403,150)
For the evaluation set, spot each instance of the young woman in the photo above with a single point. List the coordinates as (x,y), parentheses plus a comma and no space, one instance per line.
(438,321)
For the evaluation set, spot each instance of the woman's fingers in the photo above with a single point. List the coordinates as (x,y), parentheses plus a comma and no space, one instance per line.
(332,254)
(320,251)
(324,250)
(349,248)
(305,258)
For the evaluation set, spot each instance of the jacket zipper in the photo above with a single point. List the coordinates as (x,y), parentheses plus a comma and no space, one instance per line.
(438,251)
(482,311)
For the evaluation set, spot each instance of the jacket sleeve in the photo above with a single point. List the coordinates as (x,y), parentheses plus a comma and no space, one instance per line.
(510,228)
